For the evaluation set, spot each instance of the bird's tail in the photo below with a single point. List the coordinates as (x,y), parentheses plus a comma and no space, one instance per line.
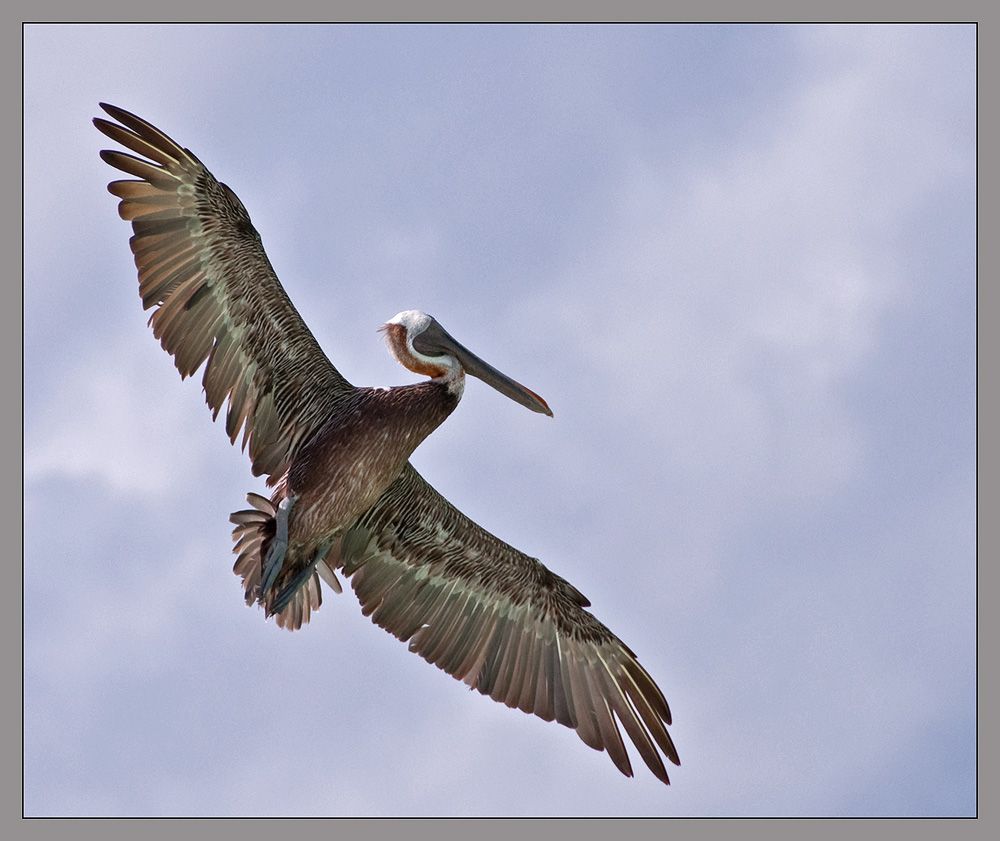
(255,528)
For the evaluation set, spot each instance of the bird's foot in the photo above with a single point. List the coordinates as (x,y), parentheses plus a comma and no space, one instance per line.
(285,596)
(289,590)
(275,559)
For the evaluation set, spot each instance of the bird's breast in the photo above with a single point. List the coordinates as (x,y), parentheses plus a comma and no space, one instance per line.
(359,451)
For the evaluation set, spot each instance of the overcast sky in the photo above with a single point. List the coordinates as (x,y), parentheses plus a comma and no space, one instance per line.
(739,264)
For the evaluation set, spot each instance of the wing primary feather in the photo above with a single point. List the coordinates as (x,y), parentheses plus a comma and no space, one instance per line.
(561,695)
(637,733)
(148,132)
(155,175)
(413,619)
(150,249)
(440,635)
(653,723)
(159,277)
(140,191)
(513,634)
(465,642)
(519,666)
(475,649)
(148,210)
(528,690)
(171,226)
(220,373)
(157,289)
(586,724)
(371,582)
(611,737)
(395,603)
(136,143)
(486,680)
(543,703)
(237,408)
(644,683)
(436,610)
(198,335)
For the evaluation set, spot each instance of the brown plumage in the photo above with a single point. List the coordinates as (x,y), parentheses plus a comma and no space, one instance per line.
(337,459)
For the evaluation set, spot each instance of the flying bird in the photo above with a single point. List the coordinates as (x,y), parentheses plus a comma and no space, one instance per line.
(345,497)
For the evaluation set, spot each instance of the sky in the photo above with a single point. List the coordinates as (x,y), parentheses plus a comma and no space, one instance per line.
(739,264)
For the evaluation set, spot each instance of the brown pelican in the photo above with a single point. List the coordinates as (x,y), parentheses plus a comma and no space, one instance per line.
(345,496)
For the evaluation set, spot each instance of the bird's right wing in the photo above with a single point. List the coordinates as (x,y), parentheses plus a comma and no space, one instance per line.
(497,619)
(202,266)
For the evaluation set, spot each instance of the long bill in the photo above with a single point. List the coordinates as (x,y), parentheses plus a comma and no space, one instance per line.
(435,340)
(501,382)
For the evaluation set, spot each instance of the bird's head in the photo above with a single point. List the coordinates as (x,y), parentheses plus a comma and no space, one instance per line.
(421,344)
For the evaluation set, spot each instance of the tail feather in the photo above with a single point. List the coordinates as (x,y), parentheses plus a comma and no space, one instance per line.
(252,535)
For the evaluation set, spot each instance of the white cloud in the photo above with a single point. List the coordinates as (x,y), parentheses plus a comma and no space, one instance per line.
(118,417)
(742,296)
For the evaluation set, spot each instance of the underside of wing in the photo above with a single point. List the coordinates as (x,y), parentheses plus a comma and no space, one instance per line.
(216,298)
(502,622)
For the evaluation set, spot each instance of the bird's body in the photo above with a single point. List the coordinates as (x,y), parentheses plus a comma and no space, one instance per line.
(355,456)
(338,474)
(344,496)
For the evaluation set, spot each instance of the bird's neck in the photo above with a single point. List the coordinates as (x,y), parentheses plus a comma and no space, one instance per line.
(454,380)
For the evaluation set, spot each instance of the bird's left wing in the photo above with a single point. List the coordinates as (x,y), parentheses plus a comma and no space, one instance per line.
(500,621)
(216,300)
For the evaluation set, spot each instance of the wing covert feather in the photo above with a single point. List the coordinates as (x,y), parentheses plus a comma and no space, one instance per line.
(216,299)
(503,623)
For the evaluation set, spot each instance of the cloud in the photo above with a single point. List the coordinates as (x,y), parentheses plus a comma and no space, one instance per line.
(87,429)
(748,290)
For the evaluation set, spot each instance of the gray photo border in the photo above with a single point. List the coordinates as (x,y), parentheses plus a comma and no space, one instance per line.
(11,370)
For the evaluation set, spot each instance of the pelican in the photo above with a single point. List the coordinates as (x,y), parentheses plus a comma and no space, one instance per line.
(345,497)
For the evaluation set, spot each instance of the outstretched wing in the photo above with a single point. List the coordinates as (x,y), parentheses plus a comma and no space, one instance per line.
(202,266)
(500,621)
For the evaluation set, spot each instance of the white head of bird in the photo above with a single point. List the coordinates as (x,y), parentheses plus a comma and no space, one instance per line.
(422,345)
